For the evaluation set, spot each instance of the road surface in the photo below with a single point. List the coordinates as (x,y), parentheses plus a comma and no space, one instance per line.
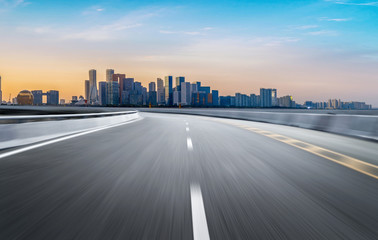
(188,177)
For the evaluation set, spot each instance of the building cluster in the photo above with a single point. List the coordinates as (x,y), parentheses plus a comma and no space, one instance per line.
(119,90)
(35,97)
(337,104)
(267,99)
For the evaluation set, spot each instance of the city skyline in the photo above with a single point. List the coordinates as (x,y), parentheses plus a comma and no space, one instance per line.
(313,50)
(119,90)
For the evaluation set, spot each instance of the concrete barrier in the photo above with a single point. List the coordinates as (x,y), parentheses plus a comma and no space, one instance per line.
(18,134)
(363,126)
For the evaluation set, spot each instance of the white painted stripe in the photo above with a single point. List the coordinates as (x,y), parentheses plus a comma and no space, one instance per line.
(200,230)
(189,143)
(24,149)
(186,123)
(187,129)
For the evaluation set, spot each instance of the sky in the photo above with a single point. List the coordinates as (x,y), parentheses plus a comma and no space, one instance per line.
(312,50)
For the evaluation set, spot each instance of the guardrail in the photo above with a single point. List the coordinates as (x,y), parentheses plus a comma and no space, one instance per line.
(35,118)
(23,130)
(363,126)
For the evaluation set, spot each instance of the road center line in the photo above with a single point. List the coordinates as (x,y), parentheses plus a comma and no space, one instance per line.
(200,230)
(189,143)
(187,129)
(24,149)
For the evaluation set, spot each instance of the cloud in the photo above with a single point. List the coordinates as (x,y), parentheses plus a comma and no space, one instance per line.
(6,5)
(167,32)
(324,33)
(334,19)
(192,33)
(305,27)
(117,29)
(93,10)
(354,3)
(273,41)
(103,33)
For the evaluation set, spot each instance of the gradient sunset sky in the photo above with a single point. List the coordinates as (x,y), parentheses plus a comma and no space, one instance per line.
(313,50)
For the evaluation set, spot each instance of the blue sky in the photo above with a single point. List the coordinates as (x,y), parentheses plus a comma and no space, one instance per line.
(311,49)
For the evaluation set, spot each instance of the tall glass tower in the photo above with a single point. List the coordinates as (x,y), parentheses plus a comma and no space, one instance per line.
(168,91)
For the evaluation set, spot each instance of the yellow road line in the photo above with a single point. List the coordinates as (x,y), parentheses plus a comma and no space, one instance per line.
(344,160)
(350,162)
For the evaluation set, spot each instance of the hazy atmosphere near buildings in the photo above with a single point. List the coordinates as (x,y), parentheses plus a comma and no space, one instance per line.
(313,50)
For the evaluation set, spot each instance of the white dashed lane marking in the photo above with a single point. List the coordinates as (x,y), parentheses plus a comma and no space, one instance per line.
(189,143)
(200,230)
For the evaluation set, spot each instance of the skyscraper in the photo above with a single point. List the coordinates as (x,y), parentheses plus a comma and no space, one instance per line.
(266,97)
(160,91)
(179,80)
(112,93)
(274,97)
(86,93)
(102,93)
(129,84)
(109,75)
(52,97)
(1,93)
(168,91)
(152,86)
(120,79)
(186,94)
(215,96)
(93,96)
(37,94)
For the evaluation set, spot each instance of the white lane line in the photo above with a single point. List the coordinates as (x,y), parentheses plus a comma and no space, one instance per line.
(189,143)
(17,151)
(186,123)
(187,129)
(200,230)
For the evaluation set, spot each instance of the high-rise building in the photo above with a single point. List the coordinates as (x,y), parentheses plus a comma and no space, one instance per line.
(121,79)
(112,93)
(152,98)
(274,97)
(52,97)
(93,95)
(86,93)
(266,97)
(1,93)
(37,94)
(152,86)
(176,97)
(255,100)
(138,88)
(215,95)
(186,94)
(109,75)
(129,84)
(194,88)
(286,102)
(152,94)
(144,96)
(168,91)
(160,91)
(102,93)
(179,80)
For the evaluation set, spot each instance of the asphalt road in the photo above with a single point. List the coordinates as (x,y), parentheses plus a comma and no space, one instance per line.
(184,177)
